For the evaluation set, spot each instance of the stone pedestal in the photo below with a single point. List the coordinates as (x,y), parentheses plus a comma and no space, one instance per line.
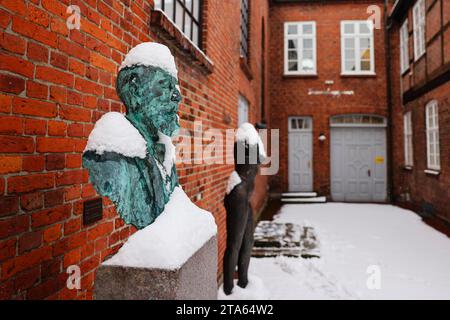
(196,279)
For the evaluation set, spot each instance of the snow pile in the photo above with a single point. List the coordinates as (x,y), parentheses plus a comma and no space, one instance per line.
(180,231)
(114,133)
(151,54)
(255,290)
(248,134)
(233,181)
(413,258)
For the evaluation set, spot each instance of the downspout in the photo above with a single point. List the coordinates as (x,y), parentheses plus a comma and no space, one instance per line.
(387,43)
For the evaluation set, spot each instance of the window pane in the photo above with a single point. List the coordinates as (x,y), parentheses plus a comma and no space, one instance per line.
(349,28)
(293,124)
(179,15)
(350,54)
(307,64)
(168,8)
(350,65)
(364,43)
(293,44)
(187,26)
(292,55)
(308,54)
(307,43)
(307,29)
(365,27)
(188,4)
(365,65)
(293,66)
(197,9)
(365,54)
(195,35)
(292,29)
(158,4)
(349,43)
(366,119)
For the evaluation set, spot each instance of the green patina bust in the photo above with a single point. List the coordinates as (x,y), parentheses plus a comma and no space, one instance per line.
(130,157)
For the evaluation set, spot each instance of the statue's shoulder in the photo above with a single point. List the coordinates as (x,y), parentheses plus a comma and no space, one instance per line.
(113,133)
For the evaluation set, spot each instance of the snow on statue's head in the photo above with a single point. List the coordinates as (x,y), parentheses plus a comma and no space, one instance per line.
(148,86)
(249,151)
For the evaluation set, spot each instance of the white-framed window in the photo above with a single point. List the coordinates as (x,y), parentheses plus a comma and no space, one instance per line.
(408,139)
(357,48)
(419,29)
(300,48)
(300,124)
(242,110)
(432,124)
(404,47)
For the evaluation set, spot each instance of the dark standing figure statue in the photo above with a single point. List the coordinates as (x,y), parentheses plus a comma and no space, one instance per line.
(248,154)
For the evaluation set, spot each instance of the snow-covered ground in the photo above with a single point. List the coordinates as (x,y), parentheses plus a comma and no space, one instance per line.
(358,243)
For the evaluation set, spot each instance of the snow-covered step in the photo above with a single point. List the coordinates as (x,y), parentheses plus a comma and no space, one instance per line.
(305,200)
(299,195)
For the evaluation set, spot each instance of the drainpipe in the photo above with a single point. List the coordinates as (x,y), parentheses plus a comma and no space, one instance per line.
(388,25)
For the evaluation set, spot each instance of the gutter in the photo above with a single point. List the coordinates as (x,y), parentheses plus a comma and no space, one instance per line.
(387,44)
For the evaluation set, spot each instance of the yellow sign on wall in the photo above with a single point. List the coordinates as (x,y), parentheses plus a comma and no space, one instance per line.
(379,160)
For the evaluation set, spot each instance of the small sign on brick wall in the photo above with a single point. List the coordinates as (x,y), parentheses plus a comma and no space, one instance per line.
(93,211)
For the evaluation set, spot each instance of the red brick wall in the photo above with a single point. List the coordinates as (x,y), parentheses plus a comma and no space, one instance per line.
(289,95)
(54,85)
(414,188)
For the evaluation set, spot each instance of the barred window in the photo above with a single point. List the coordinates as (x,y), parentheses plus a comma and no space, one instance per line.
(186,16)
(244,28)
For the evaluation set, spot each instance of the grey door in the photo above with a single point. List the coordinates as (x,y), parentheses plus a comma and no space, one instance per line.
(300,155)
(358,164)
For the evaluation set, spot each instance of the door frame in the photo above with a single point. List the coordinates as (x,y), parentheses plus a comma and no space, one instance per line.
(306,128)
(356,121)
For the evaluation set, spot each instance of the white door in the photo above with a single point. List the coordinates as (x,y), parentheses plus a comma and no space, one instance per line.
(358,161)
(300,155)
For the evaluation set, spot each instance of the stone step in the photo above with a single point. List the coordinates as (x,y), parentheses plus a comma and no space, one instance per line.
(299,195)
(305,200)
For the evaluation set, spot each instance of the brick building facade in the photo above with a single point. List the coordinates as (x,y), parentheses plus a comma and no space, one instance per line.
(55,83)
(325,91)
(309,68)
(421,180)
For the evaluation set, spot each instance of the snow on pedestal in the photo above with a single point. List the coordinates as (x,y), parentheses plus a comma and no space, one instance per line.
(180,231)
(174,258)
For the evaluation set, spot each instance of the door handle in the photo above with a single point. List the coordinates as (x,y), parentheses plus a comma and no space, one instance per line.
(309,164)
(369,173)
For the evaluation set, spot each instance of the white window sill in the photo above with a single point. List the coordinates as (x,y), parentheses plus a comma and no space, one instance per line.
(358,74)
(432,172)
(298,74)
(409,168)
